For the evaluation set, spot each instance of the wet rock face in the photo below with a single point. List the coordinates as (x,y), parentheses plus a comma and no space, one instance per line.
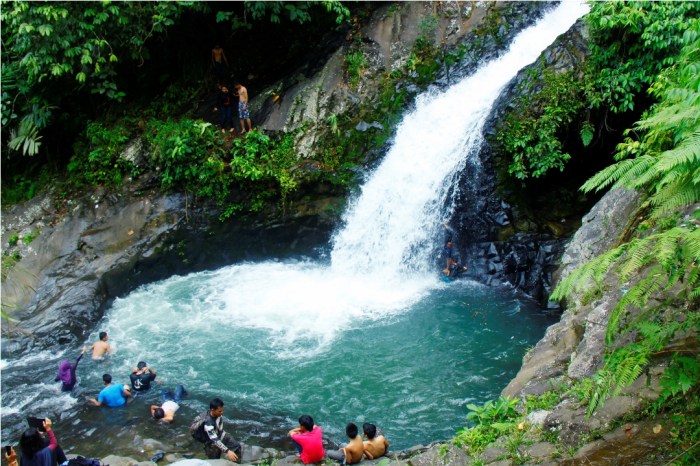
(503,244)
(105,245)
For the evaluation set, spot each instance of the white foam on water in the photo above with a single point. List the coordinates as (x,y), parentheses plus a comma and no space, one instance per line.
(380,262)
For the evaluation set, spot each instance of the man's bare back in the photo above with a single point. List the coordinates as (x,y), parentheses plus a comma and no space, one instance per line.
(354,450)
(375,447)
(99,348)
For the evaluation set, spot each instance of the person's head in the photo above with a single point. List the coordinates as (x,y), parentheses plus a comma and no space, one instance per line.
(158,413)
(351,430)
(103,336)
(237,86)
(216,407)
(141,365)
(370,430)
(31,442)
(64,371)
(107,379)
(307,422)
(224,88)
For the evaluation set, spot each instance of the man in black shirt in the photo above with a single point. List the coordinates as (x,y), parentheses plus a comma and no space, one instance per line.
(142,376)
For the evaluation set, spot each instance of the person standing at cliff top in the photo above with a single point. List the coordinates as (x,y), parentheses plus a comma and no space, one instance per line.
(99,348)
(218,58)
(66,373)
(224,102)
(243,108)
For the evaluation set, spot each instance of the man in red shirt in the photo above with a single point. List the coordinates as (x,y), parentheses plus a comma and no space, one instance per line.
(308,440)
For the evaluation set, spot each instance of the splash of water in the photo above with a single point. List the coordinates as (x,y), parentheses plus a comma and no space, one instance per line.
(380,265)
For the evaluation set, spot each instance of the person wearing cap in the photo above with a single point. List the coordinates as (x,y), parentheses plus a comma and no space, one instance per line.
(142,376)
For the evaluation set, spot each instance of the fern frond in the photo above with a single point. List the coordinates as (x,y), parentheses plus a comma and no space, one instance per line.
(620,173)
(685,153)
(588,275)
(692,244)
(671,117)
(638,254)
(673,196)
(638,296)
(666,248)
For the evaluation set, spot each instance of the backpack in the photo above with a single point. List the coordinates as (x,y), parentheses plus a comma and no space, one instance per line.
(82,461)
(197,427)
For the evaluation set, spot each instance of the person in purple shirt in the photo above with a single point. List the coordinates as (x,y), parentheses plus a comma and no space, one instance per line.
(66,373)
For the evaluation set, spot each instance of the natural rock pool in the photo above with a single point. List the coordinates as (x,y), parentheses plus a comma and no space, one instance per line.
(372,334)
(409,360)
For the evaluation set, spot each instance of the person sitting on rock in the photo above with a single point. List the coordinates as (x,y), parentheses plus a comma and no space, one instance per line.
(308,440)
(456,268)
(353,451)
(375,445)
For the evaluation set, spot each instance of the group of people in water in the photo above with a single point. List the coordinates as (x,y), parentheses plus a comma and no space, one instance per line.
(39,446)
(225,99)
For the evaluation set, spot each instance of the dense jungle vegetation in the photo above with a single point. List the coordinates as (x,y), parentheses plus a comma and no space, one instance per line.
(644,57)
(79,81)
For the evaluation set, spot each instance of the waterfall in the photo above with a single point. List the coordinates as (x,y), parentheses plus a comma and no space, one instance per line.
(392,227)
(263,333)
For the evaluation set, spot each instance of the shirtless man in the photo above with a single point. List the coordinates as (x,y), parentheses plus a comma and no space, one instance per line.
(99,348)
(243,109)
(375,445)
(353,451)
(218,58)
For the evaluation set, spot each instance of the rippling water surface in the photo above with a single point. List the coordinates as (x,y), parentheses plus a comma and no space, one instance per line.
(371,335)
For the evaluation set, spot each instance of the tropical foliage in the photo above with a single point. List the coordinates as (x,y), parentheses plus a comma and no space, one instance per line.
(57,54)
(631,43)
(534,131)
(492,420)
(54,50)
(662,263)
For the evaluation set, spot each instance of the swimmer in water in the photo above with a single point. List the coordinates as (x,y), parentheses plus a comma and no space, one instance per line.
(99,348)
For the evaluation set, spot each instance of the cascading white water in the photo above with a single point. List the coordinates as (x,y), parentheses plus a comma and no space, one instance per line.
(390,228)
(262,333)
